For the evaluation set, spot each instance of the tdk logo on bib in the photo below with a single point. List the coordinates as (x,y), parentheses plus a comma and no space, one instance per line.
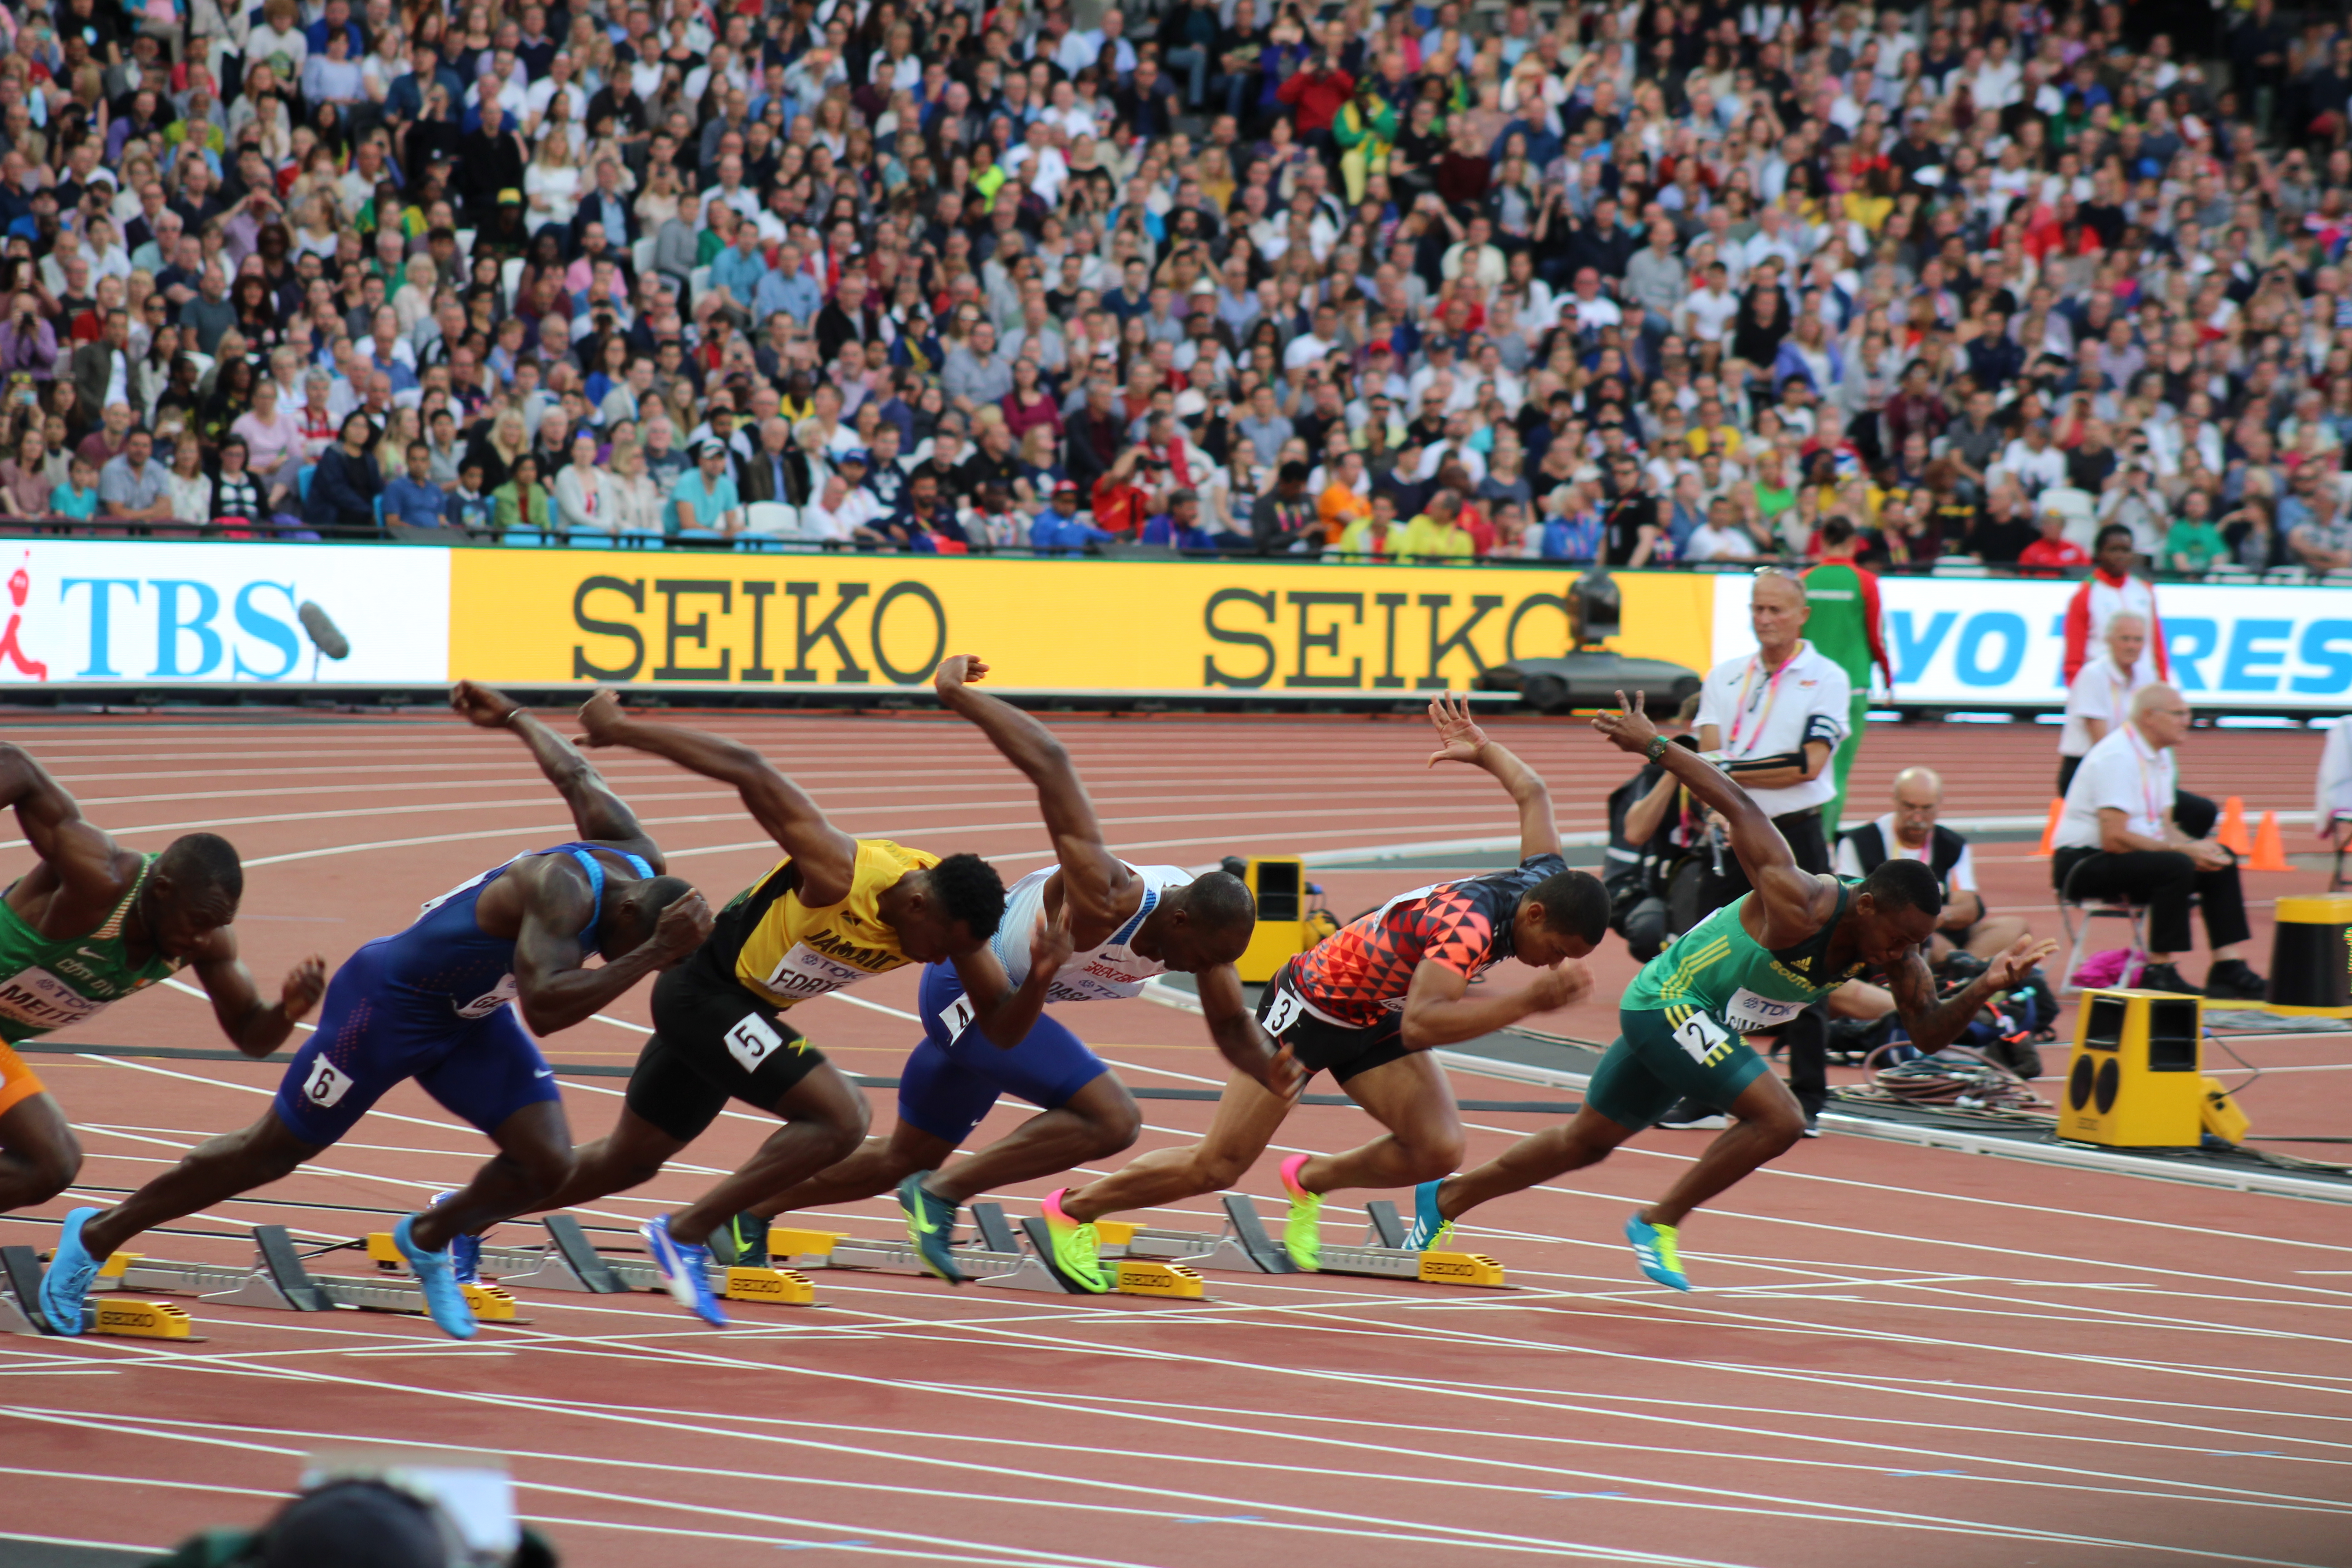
(1747,1010)
(805,971)
(491,1001)
(36,996)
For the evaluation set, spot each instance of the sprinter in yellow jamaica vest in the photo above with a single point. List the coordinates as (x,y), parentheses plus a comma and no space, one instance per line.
(1751,965)
(835,911)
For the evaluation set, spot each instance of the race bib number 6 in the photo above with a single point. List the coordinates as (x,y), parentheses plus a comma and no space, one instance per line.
(325,1086)
(1702,1038)
(1283,1011)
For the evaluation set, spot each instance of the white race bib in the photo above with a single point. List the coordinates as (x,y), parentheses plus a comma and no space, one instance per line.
(805,971)
(1702,1037)
(1748,1011)
(326,1085)
(489,1001)
(956,1017)
(1283,1011)
(753,1041)
(37,997)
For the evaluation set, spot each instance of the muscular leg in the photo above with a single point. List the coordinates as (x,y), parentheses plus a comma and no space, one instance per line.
(213,1172)
(824,1117)
(1586,1138)
(1098,1121)
(38,1155)
(1247,1115)
(1767,1122)
(1411,1097)
(630,1155)
(1995,934)
(533,1163)
(878,1165)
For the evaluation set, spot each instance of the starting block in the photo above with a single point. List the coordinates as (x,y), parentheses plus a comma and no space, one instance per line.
(571,1262)
(277,1280)
(125,1317)
(997,1257)
(1245,1247)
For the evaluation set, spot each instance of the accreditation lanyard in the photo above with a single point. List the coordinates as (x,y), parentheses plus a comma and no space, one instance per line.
(1748,697)
(2150,789)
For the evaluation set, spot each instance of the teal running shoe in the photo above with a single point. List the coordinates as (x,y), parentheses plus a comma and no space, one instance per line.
(1655,1250)
(71,1269)
(465,1251)
(1430,1229)
(437,1276)
(930,1225)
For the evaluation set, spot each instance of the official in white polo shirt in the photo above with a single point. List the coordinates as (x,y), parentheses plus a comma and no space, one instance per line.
(1773,719)
(2118,838)
(2099,697)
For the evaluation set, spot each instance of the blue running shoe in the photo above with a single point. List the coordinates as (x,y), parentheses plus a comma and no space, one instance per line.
(930,1225)
(685,1270)
(437,1278)
(1430,1229)
(465,1251)
(70,1271)
(1655,1250)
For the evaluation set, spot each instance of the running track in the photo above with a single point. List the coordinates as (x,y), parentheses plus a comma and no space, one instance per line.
(1897,1353)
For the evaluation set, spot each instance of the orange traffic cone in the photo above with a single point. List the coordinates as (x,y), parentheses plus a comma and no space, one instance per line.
(2233,834)
(2050,828)
(2270,848)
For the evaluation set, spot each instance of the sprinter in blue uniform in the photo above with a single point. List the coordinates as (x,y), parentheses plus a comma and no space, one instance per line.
(438,1003)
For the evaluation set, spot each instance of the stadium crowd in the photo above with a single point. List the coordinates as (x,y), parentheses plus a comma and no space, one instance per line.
(1650,284)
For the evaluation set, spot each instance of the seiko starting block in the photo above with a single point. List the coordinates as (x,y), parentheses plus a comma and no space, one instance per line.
(1245,1247)
(569,1261)
(279,1280)
(126,1317)
(995,1256)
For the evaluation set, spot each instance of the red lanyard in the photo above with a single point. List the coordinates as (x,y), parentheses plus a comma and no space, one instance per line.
(2150,794)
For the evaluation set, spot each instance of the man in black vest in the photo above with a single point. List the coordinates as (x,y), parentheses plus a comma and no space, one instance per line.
(1911,829)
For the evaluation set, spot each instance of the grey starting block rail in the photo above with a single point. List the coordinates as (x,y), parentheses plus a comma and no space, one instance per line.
(115,1315)
(277,1280)
(1245,1247)
(997,1256)
(571,1262)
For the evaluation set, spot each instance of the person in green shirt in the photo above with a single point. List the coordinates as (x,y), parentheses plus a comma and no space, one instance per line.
(2193,544)
(1843,626)
(1750,966)
(1437,535)
(519,505)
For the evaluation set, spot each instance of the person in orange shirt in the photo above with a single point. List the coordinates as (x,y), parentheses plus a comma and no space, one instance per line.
(1342,502)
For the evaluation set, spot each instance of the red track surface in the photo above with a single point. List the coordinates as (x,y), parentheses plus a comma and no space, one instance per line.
(1896,1353)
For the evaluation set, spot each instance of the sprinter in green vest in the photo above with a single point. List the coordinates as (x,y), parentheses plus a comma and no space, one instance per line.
(92,923)
(1751,965)
(1843,628)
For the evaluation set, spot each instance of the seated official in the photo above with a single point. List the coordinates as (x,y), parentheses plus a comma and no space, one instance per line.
(1911,829)
(2118,838)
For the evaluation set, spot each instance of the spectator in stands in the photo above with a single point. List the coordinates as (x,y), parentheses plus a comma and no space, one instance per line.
(410,497)
(2323,541)
(1911,829)
(133,488)
(2118,838)
(345,488)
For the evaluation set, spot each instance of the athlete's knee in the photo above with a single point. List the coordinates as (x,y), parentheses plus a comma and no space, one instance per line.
(1214,1170)
(1435,1153)
(50,1170)
(831,1110)
(605,1167)
(1116,1126)
(1779,1126)
(543,1169)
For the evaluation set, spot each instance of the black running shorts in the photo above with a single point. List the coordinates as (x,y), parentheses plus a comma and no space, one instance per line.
(713,1040)
(1321,1044)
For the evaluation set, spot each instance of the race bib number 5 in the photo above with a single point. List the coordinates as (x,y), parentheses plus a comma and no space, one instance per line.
(753,1041)
(1702,1038)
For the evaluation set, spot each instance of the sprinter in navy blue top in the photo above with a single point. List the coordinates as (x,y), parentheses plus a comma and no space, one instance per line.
(451,1001)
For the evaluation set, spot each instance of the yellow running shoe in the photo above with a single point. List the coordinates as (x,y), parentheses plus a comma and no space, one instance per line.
(1302,1235)
(1078,1247)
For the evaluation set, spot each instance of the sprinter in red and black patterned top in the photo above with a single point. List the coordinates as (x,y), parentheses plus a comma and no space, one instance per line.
(1371,1002)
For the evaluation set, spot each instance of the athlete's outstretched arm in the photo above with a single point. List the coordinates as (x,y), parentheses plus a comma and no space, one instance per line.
(1460,739)
(825,856)
(1791,896)
(552,991)
(1092,877)
(1440,1011)
(1933,1025)
(254,1026)
(597,812)
(80,853)
(1225,1006)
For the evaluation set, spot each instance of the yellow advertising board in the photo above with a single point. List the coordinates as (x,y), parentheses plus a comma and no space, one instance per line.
(1227,626)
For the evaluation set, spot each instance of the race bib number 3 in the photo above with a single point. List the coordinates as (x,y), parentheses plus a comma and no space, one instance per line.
(327,1084)
(1704,1039)
(1283,1010)
(753,1041)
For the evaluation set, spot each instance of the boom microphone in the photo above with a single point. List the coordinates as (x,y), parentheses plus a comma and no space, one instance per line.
(325,636)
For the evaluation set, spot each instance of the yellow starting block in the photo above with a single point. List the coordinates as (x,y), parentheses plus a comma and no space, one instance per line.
(999,1258)
(489,1303)
(785,1285)
(1144,1276)
(1461,1269)
(137,1320)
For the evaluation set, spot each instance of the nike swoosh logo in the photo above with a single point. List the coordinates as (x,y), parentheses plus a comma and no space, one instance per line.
(86,952)
(544,1072)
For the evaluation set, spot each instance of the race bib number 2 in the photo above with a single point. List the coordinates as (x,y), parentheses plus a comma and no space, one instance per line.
(1704,1039)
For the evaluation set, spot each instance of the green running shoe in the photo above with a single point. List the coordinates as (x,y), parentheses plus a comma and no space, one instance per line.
(930,1225)
(1077,1248)
(740,1242)
(1302,1235)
